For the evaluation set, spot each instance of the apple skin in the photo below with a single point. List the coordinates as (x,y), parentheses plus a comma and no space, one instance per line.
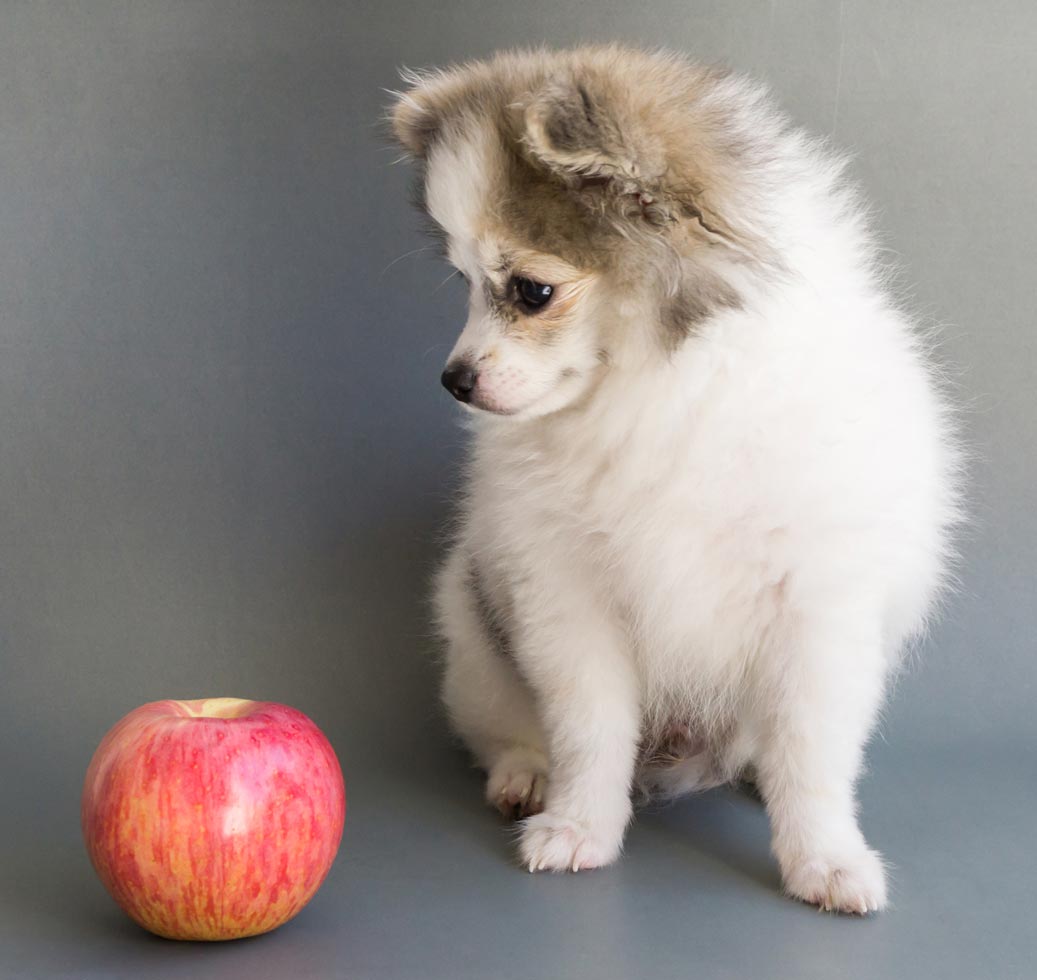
(213,819)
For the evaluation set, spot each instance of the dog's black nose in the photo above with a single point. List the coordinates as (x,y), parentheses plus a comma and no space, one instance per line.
(459,380)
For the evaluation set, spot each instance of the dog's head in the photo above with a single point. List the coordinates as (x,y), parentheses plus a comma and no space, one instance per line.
(599,204)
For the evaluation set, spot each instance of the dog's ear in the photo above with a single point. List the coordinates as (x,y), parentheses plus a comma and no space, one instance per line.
(430,102)
(607,142)
(586,128)
(419,113)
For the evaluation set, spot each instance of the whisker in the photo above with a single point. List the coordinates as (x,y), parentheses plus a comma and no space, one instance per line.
(413,251)
(456,272)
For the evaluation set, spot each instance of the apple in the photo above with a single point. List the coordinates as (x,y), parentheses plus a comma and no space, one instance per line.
(213,819)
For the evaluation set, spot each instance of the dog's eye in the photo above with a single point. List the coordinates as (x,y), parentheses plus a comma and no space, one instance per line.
(530,294)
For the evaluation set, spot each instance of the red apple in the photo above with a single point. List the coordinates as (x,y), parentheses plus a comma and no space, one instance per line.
(213,819)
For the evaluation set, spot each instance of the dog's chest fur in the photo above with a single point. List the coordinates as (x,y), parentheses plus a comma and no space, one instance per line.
(651,501)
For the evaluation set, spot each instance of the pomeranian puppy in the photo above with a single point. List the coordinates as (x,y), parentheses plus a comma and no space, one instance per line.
(712,479)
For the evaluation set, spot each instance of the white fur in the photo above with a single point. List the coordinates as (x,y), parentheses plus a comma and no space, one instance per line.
(739,536)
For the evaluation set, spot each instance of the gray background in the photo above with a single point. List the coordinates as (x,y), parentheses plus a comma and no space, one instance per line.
(226,455)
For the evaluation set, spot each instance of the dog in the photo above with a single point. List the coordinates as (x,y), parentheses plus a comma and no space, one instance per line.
(714,477)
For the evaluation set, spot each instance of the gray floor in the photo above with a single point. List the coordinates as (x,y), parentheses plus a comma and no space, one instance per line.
(225,459)
(424,887)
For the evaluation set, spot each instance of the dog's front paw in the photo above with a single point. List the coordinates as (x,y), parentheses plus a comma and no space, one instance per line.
(556,843)
(854,882)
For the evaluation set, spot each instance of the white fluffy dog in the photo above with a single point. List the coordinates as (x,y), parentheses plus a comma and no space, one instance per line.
(712,480)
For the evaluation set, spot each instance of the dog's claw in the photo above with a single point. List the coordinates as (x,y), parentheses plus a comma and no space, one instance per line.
(516,794)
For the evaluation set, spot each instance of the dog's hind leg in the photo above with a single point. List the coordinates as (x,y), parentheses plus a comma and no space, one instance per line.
(487,701)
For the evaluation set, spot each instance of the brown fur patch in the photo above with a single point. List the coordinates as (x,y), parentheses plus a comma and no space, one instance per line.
(700,295)
(598,152)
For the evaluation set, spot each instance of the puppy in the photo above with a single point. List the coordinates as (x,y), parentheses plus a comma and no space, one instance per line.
(712,479)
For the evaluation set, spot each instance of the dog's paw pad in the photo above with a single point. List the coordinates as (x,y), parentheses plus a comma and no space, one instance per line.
(853,883)
(551,843)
